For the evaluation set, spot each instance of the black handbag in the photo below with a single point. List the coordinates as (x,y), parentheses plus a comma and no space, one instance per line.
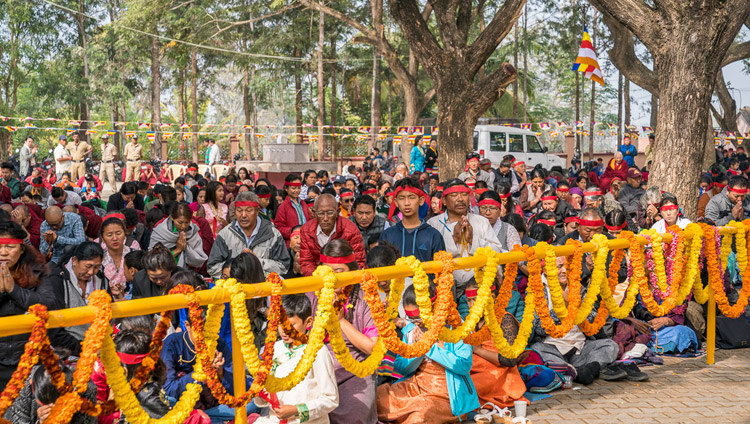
(732,333)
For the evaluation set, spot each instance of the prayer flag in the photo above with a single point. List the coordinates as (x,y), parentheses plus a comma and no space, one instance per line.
(10,129)
(525,126)
(186,125)
(74,123)
(365,130)
(647,129)
(121,124)
(99,123)
(144,125)
(29,125)
(544,125)
(586,61)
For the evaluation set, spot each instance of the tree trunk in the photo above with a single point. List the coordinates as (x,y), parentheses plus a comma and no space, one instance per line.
(246,108)
(626,92)
(525,66)
(256,154)
(709,151)
(456,124)
(728,119)
(336,148)
(683,69)
(619,108)
(375,105)
(654,112)
(515,65)
(181,115)
(194,101)
(156,97)
(322,145)
(84,116)
(298,94)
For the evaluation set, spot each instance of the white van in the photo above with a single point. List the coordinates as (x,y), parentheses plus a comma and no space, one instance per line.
(495,141)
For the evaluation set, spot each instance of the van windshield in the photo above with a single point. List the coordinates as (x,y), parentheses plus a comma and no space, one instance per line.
(533,144)
(516,142)
(476,140)
(497,142)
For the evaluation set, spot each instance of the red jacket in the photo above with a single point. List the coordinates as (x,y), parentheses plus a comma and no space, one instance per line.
(95,221)
(309,256)
(286,218)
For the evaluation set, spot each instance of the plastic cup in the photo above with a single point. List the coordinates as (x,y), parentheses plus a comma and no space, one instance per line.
(520,407)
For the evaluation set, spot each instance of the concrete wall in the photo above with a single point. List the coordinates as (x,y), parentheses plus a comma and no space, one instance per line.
(570,143)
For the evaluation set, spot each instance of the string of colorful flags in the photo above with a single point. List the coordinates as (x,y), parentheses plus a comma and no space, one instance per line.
(168,130)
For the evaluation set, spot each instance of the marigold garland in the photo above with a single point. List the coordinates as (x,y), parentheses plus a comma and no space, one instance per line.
(717,285)
(29,358)
(501,302)
(316,337)
(535,285)
(623,310)
(386,327)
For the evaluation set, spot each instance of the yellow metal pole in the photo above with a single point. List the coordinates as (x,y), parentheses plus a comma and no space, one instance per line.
(711,328)
(238,374)
(21,324)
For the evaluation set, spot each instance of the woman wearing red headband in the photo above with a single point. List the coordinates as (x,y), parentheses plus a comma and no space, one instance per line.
(615,222)
(356,395)
(24,281)
(670,214)
(292,212)
(491,207)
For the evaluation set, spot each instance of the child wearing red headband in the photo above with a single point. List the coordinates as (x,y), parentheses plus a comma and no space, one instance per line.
(291,211)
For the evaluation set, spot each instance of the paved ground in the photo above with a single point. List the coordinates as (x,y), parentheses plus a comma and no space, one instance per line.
(683,390)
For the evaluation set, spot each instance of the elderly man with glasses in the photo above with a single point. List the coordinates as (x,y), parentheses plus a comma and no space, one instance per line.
(59,230)
(330,225)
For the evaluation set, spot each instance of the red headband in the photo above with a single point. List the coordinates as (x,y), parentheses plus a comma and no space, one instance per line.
(616,227)
(11,241)
(457,189)
(36,185)
(334,260)
(669,207)
(392,209)
(592,193)
(292,184)
(246,203)
(563,189)
(475,292)
(571,219)
(546,222)
(737,190)
(520,162)
(590,222)
(114,215)
(192,169)
(549,197)
(490,202)
(347,194)
(471,185)
(370,191)
(295,233)
(439,188)
(412,314)
(504,196)
(720,185)
(131,358)
(264,196)
(480,191)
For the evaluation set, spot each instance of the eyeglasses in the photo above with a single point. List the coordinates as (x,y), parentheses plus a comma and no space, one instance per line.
(323,214)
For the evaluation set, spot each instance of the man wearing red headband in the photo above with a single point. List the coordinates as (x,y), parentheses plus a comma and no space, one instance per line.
(474,171)
(249,233)
(292,211)
(731,204)
(463,232)
(561,208)
(328,226)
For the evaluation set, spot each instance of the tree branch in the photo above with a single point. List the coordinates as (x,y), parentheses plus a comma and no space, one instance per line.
(622,55)
(736,52)
(486,92)
(415,29)
(636,15)
(340,16)
(426,98)
(445,17)
(728,105)
(493,34)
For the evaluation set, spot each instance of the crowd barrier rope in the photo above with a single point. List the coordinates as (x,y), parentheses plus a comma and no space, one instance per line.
(670,268)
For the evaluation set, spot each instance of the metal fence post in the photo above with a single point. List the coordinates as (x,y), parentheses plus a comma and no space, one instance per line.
(238,371)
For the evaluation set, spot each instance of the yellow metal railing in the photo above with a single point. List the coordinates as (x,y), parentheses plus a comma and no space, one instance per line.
(21,324)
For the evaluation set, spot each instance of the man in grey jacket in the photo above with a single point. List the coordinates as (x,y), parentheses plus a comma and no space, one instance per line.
(248,233)
(731,204)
